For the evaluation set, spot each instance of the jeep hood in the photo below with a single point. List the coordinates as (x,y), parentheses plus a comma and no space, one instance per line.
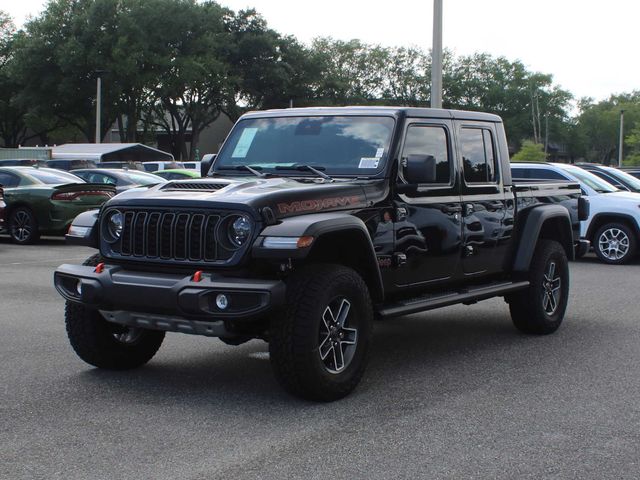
(285,196)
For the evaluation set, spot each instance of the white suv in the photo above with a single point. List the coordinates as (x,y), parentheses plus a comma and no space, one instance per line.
(613,226)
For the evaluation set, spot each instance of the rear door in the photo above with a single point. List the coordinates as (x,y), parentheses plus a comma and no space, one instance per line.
(487,204)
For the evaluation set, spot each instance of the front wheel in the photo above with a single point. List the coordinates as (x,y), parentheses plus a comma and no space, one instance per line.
(319,346)
(104,344)
(615,243)
(540,308)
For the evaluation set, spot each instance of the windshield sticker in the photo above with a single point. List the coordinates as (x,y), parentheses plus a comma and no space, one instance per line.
(243,145)
(369,162)
(379,152)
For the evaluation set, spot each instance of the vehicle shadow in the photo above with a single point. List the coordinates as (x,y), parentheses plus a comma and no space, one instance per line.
(414,356)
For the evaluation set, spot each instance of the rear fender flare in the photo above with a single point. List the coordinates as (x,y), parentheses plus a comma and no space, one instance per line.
(530,233)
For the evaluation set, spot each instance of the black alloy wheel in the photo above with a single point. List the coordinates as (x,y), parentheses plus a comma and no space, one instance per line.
(23,226)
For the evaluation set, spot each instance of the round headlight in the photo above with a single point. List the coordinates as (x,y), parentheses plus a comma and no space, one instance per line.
(115,222)
(239,231)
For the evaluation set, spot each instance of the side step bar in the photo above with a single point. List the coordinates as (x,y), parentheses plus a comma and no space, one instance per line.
(469,295)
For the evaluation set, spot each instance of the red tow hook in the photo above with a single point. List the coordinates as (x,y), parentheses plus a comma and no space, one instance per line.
(197,276)
(99,268)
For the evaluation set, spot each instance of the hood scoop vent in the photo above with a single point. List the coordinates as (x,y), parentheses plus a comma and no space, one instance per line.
(201,186)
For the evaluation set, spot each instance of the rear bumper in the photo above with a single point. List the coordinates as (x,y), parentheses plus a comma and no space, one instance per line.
(167,301)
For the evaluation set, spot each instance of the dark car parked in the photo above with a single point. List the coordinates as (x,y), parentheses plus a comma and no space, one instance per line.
(616,177)
(71,164)
(3,208)
(122,179)
(123,165)
(44,201)
(310,223)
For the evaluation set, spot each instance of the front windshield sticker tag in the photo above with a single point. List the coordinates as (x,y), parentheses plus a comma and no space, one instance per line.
(379,152)
(243,145)
(369,162)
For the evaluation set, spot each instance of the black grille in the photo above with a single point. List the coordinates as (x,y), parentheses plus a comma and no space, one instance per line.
(194,186)
(186,237)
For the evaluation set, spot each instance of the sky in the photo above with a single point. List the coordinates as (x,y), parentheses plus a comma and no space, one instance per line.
(588,46)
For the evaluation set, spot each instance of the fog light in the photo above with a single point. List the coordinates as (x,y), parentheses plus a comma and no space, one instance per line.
(79,287)
(222,301)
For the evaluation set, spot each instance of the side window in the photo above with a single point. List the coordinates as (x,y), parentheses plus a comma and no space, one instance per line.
(520,173)
(478,155)
(430,140)
(607,178)
(8,180)
(546,174)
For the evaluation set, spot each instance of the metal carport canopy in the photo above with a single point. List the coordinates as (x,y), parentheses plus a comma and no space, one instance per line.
(109,152)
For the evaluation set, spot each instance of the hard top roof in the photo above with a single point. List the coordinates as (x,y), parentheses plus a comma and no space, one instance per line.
(377,110)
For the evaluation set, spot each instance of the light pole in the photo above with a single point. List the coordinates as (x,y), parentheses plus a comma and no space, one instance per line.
(620,143)
(436,56)
(98,104)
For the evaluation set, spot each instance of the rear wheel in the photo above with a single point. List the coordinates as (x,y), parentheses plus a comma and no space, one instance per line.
(319,346)
(615,243)
(540,308)
(23,226)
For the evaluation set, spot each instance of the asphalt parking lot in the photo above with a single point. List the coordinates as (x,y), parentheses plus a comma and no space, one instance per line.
(455,393)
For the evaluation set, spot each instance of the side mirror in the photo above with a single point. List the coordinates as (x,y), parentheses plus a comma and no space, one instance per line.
(205,163)
(420,169)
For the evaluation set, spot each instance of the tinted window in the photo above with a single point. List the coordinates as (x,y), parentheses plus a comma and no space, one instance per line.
(546,174)
(9,180)
(429,140)
(478,155)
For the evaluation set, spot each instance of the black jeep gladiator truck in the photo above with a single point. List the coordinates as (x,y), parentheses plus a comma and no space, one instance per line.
(310,223)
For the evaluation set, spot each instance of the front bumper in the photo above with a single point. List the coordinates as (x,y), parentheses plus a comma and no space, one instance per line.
(167,301)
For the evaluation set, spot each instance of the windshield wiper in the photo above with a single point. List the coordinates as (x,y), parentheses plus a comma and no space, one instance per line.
(301,167)
(252,169)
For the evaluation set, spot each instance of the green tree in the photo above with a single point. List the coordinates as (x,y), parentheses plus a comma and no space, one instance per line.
(530,152)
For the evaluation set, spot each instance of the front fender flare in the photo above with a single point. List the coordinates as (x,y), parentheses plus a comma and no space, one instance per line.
(317,225)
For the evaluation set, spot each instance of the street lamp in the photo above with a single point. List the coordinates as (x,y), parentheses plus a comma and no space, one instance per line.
(621,138)
(98,103)
(436,56)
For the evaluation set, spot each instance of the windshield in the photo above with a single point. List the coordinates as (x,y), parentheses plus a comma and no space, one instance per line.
(590,180)
(624,178)
(350,145)
(52,177)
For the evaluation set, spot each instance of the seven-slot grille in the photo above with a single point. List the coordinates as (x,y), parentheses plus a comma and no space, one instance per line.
(177,236)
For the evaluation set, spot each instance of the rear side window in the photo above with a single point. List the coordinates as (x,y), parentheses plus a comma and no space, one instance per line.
(546,174)
(8,180)
(478,155)
(430,140)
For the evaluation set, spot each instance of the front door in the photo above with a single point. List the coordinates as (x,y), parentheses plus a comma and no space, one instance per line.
(428,221)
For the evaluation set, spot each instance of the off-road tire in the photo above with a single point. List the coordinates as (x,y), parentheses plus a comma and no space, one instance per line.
(94,339)
(528,310)
(296,334)
(22,218)
(625,231)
